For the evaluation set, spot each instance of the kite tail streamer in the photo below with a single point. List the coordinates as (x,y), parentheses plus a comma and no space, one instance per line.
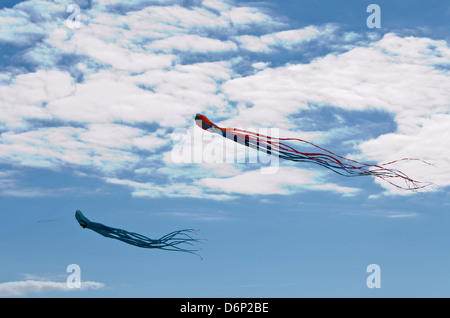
(169,242)
(338,164)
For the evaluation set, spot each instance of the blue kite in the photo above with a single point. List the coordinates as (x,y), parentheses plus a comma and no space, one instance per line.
(169,242)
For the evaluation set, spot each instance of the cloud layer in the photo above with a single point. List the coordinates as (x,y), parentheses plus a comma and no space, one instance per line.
(26,287)
(107,95)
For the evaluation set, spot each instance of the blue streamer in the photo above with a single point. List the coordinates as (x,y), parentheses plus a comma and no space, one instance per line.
(169,242)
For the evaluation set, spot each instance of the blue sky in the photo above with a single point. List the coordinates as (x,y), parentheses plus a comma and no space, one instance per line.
(93,118)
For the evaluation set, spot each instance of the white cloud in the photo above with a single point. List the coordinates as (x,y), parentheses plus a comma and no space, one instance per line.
(25,97)
(105,146)
(191,42)
(198,216)
(356,79)
(177,95)
(393,214)
(395,74)
(109,96)
(126,82)
(195,17)
(260,65)
(15,27)
(252,43)
(149,189)
(184,17)
(346,191)
(351,36)
(284,39)
(99,4)
(244,15)
(21,288)
(125,41)
(401,215)
(114,54)
(430,142)
(287,180)
(228,184)
(253,182)
(216,4)
(12,186)
(124,137)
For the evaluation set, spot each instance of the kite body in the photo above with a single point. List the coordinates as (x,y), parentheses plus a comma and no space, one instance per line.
(343,166)
(169,242)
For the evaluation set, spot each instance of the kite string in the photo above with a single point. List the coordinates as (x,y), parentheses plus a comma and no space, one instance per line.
(46,217)
(14,234)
